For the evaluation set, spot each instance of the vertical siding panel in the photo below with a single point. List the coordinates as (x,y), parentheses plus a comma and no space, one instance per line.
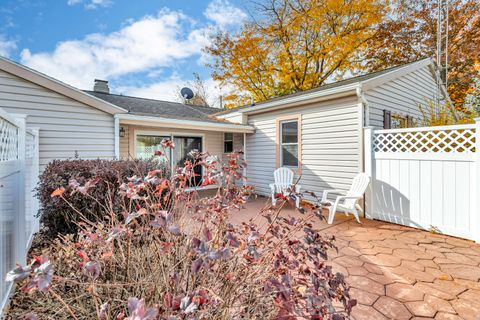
(473,196)
(437,193)
(395,187)
(449,195)
(414,186)
(425,192)
(462,195)
(404,186)
(386,179)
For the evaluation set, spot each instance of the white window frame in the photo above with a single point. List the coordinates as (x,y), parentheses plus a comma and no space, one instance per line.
(289,143)
(227,141)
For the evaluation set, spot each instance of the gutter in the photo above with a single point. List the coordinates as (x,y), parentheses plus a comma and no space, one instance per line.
(304,98)
(182,124)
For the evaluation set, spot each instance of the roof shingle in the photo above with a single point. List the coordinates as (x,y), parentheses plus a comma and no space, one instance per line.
(150,107)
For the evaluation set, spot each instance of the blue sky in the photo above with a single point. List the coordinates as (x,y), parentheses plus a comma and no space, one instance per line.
(143,47)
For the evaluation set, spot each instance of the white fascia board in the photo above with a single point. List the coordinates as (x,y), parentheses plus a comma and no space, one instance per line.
(182,124)
(57,86)
(394,74)
(302,99)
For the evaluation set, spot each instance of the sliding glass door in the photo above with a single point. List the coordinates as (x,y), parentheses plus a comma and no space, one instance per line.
(147,144)
(181,153)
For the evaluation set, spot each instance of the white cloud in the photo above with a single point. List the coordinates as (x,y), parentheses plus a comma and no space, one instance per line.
(150,43)
(91,4)
(6,46)
(223,13)
(150,47)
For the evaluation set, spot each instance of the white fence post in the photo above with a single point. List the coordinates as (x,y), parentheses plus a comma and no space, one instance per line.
(476,211)
(36,172)
(369,169)
(20,241)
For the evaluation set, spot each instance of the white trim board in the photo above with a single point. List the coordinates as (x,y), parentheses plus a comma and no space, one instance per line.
(183,124)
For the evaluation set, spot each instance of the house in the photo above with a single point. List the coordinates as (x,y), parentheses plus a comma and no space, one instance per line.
(318,133)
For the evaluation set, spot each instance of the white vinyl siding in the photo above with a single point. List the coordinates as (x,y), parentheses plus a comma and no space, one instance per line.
(330,145)
(124,150)
(233,117)
(401,96)
(238,142)
(66,126)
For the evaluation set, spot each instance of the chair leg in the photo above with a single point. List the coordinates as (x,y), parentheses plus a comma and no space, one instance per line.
(274,201)
(359,208)
(297,201)
(331,213)
(355,213)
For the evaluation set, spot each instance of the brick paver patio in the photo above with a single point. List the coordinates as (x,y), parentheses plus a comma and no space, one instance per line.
(397,272)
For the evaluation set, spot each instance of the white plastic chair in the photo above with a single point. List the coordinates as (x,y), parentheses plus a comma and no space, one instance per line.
(349,202)
(283,184)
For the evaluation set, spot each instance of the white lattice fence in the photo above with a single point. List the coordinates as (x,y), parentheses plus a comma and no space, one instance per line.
(18,205)
(8,140)
(460,139)
(426,177)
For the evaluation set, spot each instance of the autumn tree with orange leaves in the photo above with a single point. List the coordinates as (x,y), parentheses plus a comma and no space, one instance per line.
(294,45)
(409,33)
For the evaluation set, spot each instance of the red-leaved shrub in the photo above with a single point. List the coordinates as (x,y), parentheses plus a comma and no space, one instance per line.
(60,217)
(171,253)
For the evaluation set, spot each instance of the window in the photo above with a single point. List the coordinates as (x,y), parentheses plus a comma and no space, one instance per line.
(399,121)
(289,143)
(147,145)
(227,142)
(395,120)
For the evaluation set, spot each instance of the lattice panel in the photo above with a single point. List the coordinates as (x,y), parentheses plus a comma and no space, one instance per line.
(436,141)
(8,141)
(30,145)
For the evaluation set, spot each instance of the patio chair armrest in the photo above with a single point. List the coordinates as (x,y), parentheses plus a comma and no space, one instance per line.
(349,198)
(272,187)
(326,192)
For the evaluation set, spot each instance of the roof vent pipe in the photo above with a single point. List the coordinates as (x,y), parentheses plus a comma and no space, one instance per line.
(101,86)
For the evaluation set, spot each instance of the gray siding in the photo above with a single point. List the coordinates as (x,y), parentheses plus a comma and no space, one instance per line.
(401,95)
(66,126)
(330,145)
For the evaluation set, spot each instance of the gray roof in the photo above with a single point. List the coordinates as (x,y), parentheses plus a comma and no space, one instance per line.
(336,84)
(151,107)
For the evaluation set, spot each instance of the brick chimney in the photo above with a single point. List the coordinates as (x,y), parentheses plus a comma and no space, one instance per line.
(101,86)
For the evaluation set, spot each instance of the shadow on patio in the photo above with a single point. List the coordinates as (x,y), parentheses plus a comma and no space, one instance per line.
(398,272)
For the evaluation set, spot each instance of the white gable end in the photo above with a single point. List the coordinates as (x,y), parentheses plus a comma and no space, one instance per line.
(402,95)
(67,127)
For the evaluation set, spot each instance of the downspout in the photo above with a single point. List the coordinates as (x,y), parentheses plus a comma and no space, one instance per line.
(364,121)
(245,159)
(364,102)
